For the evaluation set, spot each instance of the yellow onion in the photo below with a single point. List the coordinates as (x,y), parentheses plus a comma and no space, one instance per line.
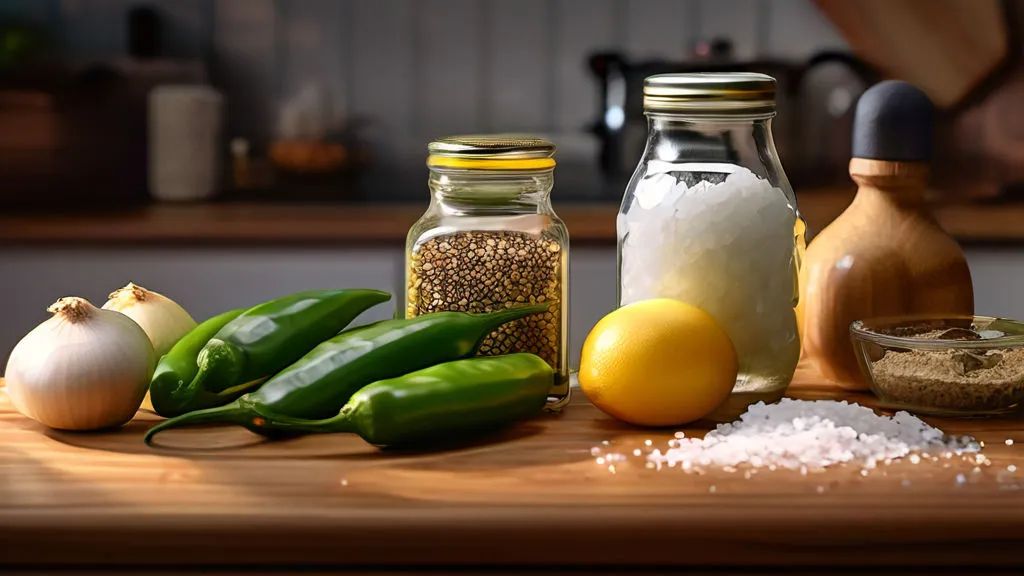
(82,369)
(163,320)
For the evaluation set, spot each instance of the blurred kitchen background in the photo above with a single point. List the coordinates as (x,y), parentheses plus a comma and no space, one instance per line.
(228,151)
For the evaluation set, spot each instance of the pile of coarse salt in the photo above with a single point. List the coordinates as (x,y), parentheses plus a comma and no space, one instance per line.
(810,435)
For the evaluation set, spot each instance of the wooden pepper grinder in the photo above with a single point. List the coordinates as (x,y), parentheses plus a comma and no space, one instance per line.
(885,255)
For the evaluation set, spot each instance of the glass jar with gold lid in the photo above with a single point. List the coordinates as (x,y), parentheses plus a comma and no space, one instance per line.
(490,240)
(709,218)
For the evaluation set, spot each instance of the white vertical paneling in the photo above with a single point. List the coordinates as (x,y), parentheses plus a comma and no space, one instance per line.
(797,29)
(517,74)
(581,27)
(244,43)
(450,75)
(660,28)
(382,88)
(313,52)
(592,280)
(732,19)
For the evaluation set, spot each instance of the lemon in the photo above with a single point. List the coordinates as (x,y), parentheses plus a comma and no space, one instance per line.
(658,363)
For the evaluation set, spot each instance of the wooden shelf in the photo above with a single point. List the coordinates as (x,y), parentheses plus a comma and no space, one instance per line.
(389,223)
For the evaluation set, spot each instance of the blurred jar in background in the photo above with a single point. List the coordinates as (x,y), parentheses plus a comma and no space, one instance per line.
(185,124)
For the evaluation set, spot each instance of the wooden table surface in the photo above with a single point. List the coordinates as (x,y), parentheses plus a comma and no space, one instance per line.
(535,496)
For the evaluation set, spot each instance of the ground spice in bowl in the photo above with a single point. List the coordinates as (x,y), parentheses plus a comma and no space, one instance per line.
(954,380)
(945,367)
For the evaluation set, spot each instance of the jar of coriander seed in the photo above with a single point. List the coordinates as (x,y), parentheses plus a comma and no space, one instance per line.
(490,240)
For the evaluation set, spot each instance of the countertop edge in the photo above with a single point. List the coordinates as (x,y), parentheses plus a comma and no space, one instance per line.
(388,224)
(680,535)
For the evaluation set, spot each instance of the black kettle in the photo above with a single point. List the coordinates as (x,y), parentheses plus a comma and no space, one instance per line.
(814,100)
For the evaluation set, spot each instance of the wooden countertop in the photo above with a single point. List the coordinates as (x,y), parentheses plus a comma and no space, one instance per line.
(389,223)
(533,497)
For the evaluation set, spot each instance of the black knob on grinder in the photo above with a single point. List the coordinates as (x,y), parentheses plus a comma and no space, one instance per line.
(893,121)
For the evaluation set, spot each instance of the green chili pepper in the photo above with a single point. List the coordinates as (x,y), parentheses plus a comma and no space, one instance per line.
(272,335)
(436,403)
(319,384)
(168,391)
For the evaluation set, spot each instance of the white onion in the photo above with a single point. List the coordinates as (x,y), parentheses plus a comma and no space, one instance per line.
(82,369)
(163,320)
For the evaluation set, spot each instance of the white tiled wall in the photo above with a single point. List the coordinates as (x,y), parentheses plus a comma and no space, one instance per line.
(420,68)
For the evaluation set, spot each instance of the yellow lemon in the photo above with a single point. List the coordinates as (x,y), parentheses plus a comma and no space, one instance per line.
(658,363)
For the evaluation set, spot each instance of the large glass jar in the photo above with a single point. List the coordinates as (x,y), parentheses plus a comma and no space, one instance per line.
(490,240)
(710,219)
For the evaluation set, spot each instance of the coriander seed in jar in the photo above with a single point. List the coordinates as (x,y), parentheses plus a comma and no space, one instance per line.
(709,218)
(490,240)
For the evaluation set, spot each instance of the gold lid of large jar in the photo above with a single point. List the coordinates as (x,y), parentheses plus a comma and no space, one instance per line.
(711,94)
(491,152)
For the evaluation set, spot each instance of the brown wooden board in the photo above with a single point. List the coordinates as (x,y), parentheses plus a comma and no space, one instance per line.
(532,496)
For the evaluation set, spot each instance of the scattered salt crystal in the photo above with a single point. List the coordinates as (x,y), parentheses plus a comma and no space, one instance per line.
(595,451)
(796,434)
(1011,468)
(637,452)
(600,461)
(606,443)
(648,442)
(1009,441)
(961,479)
(863,472)
(976,470)
(680,434)
(712,489)
(611,469)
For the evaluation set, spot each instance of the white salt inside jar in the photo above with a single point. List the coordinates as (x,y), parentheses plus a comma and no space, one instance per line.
(725,244)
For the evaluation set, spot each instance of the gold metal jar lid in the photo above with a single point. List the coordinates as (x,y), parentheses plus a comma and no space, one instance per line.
(491,152)
(711,94)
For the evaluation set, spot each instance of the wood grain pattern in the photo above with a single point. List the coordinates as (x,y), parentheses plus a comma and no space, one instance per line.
(362,223)
(883,256)
(947,47)
(531,496)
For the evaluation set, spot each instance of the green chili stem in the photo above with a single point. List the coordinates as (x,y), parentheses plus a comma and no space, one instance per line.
(218,362)
(233,413)
(270,420)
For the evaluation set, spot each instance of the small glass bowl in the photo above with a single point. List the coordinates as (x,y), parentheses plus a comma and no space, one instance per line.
(943,366)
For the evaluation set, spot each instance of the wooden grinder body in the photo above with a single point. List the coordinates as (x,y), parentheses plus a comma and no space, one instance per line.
(885,255)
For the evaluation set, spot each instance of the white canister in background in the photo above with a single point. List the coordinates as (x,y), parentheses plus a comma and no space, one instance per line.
(184,142)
